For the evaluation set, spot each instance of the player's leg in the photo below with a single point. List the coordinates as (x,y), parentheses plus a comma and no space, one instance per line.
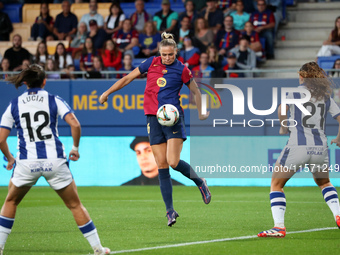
(71,199)
(329,193)
(159,152)
(8,210)
(175,146)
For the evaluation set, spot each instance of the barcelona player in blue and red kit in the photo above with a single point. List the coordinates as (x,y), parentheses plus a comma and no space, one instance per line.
(165,79)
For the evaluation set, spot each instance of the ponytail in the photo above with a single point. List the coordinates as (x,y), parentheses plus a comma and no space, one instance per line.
(34,77)
(168,40)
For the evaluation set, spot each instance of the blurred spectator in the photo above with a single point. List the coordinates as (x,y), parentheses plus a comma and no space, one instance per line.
(246,58)
(126,38)
(16,54)
(204,69)
(140,17)
(189,12)
(149,40)
(264,23)
(213,15)
(127,65)
(97,35)
(227,6)
(79,40)
(227,38)
(41,55)
(25,64)
(112,57)
(51,66)
(165,19)
(61,58)
(276,7)
(65,26)
(335,66)
(183,31)
(93,6)
(203,33)
(332,45)
(255,43)
(5,25)
(86,59)
(190,55)
(232,65)
(214,59)
(239,16)
(4,68)
(98,67)
(70,75)
(114,21)
(43,25)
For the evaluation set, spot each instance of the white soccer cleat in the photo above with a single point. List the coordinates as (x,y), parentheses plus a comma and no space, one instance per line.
(102,251)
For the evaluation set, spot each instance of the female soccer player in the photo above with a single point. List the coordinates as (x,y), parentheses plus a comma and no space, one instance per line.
(41,153)
(165,78)
(306,147)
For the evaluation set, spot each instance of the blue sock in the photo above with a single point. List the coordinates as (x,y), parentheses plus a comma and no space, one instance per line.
(166,187)
(6,225)
(188,172)
(278,206)
(331,197)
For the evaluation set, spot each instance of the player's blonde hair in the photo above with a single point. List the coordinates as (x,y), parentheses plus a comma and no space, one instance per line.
(167,40)
(316,80)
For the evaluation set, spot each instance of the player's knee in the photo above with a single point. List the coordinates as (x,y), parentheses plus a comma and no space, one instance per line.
(173,163)
(73,205)
(322,182)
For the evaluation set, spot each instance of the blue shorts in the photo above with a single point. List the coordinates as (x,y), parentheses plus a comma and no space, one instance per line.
(160,134)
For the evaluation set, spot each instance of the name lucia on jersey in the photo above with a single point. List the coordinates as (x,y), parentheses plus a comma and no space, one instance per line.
(35,116)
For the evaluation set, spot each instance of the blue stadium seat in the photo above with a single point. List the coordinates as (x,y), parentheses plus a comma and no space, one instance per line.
(137,61)
(327,62)
(76,63)
(14,12)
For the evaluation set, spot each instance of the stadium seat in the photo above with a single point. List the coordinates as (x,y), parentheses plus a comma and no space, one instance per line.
(76,63)
(31,11)
(13,11)
(327,62)
(51,46)
(23,29)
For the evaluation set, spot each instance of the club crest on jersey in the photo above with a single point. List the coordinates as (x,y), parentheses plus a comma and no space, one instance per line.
(161,82)
(164,71)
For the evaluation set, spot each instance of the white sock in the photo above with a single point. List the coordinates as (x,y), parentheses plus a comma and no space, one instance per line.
(331,197)
(278,206)
(90,233)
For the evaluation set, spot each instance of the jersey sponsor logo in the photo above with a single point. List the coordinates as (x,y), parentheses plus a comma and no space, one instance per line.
(175,132)
(161,82)
(164,71)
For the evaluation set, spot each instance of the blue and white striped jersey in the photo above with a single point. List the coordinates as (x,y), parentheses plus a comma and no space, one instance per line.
(35,116)
(310,129)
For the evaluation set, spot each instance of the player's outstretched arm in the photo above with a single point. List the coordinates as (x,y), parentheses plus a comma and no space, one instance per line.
(4,133)
(119,84)
(72,120)
(283,129)
(337,139)
(198,98)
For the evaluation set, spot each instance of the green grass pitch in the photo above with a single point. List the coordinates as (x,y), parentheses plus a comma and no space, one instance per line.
(134,217)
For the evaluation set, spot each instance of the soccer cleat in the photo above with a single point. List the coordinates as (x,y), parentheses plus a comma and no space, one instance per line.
(102,251)
(172,215)
(206,195)
(274,232)
(337,219)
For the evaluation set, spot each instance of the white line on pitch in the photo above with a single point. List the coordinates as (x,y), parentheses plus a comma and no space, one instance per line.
(215,241)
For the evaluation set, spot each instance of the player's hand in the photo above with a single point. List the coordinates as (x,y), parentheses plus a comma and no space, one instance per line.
(103,98)
(74,155)
(336,141)
(204,116)
(10,163)
(283,130)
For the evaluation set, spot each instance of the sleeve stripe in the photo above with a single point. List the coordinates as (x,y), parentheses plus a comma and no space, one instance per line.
(6,127)
(336,115)
(67,113)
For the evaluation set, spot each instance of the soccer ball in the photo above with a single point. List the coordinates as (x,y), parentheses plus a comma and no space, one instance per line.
(167,115)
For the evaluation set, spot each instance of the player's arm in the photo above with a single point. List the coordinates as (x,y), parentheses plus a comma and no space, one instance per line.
(72,120)
(119,84)
(283,129)
(337,139)
(198,98)
(4,133)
